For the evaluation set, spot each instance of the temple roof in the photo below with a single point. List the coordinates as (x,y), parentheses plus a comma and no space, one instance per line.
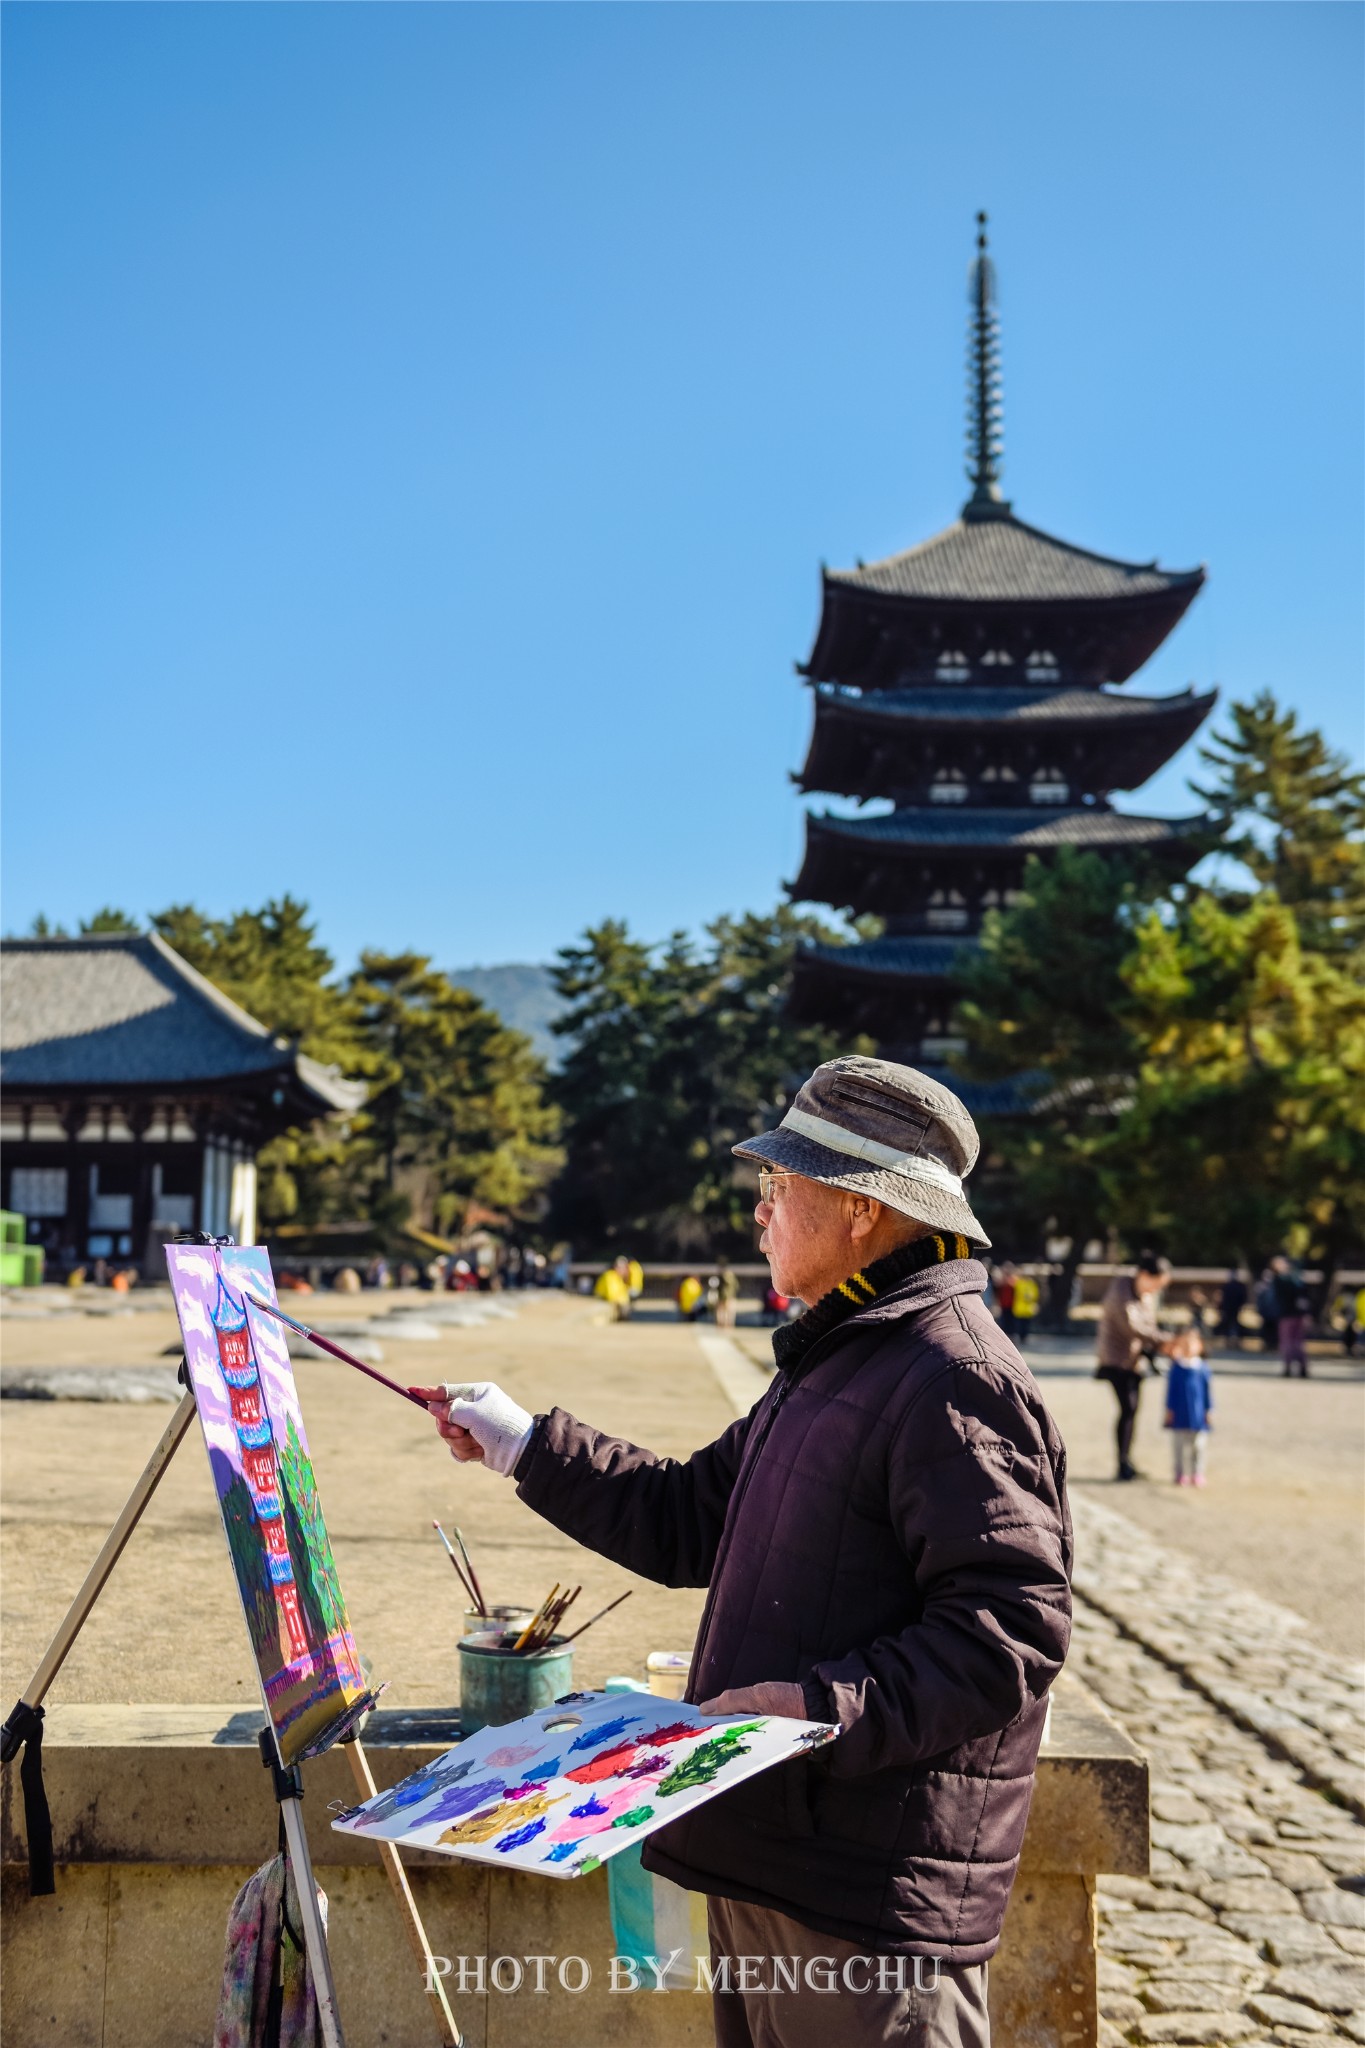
(112,1011)
(1001,560)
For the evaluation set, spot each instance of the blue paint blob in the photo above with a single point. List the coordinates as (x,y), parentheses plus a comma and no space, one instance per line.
(586,1811)
(560,1852)
(605,1733)
(521,1836)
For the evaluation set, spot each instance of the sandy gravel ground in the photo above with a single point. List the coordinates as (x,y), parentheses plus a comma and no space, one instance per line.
(1282,1513)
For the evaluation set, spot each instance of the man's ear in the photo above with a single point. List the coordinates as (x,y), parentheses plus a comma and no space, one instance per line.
(864,1215)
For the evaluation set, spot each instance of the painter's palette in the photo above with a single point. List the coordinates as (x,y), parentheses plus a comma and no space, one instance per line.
(563,1789)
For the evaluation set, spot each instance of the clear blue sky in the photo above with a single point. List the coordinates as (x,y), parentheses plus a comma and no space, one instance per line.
(424,424)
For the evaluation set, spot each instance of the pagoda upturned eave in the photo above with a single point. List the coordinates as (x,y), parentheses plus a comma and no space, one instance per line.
(894,864)
(989,591)
(873,743)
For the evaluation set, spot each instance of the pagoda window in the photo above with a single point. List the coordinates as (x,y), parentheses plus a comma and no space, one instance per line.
(947,911)
(1042,667)
(953,667)
(1048,786)
(949,786)
(997,657)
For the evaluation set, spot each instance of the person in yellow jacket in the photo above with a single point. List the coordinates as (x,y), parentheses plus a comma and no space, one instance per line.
(613,1286)
(635,1278)
(1026,1304)
(690,1293)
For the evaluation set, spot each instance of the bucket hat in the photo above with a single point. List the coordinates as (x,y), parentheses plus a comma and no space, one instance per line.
(883,1130)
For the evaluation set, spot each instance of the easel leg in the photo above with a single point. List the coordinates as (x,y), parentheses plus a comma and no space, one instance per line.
(288,1786)
(407,1904)
(314,1933)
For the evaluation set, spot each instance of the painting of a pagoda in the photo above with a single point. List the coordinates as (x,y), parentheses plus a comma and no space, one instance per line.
(281,1555)
(973,686)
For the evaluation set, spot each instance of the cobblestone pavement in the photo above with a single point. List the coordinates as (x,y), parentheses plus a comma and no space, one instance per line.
(1251,1928)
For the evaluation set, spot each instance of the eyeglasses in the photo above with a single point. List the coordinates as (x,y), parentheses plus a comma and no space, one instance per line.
(769,1184)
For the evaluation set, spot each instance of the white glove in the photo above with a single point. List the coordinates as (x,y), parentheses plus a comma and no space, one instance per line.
(500,1429)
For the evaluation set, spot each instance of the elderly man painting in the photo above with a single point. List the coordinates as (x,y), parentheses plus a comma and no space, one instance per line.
(886,1544)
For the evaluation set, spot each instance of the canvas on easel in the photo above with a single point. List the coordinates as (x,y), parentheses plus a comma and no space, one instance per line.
(248,1407)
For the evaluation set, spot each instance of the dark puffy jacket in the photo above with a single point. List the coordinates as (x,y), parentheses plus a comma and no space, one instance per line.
(887,1528)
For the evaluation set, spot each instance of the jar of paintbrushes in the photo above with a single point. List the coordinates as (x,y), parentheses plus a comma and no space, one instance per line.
(513,1660)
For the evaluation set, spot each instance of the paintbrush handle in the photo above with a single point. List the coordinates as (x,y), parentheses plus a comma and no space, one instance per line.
(326,1344)
(597,1617)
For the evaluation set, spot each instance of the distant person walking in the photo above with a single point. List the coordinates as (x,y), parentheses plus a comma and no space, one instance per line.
(727,1294)
(1292,1309)
(1189,1406)
(1005,1278)
(1267,1310)
(1129,1336)
(1232,1300)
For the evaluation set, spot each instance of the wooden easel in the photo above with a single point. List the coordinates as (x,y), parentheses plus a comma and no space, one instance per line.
(24,1727)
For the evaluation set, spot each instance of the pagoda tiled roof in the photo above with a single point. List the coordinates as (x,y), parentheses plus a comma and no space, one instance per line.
(1004,560)
(902,958)
(126,1011)
(934,825)
(977,704)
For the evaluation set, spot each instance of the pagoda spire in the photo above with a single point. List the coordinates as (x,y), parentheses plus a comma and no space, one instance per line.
(985,419)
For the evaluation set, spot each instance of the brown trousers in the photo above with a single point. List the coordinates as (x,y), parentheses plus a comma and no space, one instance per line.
(846,1995)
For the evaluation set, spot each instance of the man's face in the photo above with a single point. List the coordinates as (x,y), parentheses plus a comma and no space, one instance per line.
(1148,1284)
(806,1238)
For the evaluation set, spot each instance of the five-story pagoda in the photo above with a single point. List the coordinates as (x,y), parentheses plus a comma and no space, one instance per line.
(971,681)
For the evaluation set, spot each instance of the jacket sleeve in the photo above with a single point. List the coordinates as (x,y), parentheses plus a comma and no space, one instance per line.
(977,1493)
(660,1517)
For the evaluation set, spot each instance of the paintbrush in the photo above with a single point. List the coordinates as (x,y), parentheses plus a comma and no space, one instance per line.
(326,1344)
(598,1616)
(469,1567)
(450,1553)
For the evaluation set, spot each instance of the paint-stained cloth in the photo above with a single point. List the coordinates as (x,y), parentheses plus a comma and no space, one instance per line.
(887,1545)
(268,1999)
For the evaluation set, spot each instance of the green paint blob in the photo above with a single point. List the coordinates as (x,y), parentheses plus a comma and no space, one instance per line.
(637,1816)
(707,1760)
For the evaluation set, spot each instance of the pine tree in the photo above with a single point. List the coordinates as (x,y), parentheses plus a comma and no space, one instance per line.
(1292,811)
(675,1053)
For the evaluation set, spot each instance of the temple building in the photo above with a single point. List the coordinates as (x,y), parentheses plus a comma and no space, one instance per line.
(973,682)
(136,1096)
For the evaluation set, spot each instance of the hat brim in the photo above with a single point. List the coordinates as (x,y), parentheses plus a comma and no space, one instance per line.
(938,1207)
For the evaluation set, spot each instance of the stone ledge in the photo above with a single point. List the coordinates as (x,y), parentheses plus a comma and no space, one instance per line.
(185,1785)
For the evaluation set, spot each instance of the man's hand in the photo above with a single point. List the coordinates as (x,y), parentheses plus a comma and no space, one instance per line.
(480,1423)
(786,1701)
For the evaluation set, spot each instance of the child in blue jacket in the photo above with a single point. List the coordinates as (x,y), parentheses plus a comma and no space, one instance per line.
(1189,1405)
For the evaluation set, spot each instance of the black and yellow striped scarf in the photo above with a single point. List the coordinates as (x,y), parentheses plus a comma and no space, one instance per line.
(861,1289)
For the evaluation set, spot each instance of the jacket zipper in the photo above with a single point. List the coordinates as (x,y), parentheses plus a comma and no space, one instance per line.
(791,1380)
